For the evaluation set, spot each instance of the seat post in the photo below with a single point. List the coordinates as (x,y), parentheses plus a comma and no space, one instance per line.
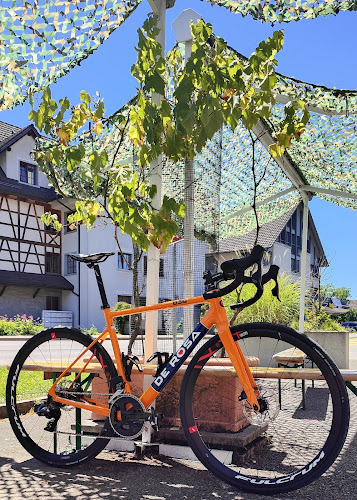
(99,279)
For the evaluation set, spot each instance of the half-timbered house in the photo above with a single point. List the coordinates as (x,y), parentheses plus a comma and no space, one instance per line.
(30,253)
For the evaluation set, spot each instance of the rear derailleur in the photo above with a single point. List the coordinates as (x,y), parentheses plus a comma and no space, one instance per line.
(50,410)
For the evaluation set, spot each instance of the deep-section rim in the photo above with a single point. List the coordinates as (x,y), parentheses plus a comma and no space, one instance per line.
(339,423)
(26,441)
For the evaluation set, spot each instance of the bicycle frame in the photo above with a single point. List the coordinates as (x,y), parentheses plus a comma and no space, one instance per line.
(216,315)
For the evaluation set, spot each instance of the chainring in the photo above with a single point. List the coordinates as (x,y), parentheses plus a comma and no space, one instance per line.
(132,416)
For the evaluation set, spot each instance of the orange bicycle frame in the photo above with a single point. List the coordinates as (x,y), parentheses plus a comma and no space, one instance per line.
(216,315)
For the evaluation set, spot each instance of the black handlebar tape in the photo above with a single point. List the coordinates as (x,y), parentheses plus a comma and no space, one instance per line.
(272,274)
(240,265)
(250,301)
(213,294)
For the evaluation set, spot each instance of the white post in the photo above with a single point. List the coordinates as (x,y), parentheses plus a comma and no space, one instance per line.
(188,250)
(303,260)
(153,257)
(182,29)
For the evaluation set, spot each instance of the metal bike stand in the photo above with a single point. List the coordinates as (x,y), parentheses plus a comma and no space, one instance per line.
(54,378)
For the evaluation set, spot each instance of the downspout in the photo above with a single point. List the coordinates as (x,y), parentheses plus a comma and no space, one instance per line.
(79,276)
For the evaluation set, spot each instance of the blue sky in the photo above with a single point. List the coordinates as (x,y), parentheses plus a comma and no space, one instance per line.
(321,51)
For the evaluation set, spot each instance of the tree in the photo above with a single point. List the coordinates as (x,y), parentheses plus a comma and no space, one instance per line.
(329,290)
(213,89)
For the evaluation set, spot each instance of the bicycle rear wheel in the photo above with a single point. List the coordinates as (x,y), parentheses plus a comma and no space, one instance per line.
(283,447)
(77,435)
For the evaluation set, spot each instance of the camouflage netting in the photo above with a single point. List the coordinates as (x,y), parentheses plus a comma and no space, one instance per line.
(42,40)
(284,11)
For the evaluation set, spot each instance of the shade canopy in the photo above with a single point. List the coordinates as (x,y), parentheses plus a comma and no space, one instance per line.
(42,40)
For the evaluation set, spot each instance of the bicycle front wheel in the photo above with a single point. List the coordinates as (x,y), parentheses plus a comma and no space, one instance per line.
(57,434)
(300,428)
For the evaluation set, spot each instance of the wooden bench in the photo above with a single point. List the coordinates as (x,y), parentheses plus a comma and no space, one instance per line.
(291,358)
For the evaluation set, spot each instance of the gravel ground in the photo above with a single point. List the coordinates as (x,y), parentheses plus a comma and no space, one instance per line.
(118,476)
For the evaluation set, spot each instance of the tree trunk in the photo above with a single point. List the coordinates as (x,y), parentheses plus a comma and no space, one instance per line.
(137,330)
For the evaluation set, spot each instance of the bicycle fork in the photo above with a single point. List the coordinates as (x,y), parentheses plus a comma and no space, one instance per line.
(218,316)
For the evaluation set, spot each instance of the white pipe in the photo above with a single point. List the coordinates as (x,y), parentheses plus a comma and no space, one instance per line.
(332,192)
(188,252)
(181,26)
(303,261)
(153,257)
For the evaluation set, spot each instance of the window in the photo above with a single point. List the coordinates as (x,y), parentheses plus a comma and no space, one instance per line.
(53,263)
(161,269)
(309,244)
(50,229)
(27,173)
(124,261)
(68,227)
(124,298)
(53,303)
(266,258)
(283,236)
(71,265)
(295,265)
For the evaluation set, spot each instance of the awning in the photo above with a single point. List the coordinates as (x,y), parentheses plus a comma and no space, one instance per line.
(15,278)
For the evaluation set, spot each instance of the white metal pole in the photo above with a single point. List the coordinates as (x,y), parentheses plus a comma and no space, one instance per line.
(182,30)
(153,257)
(189,226)
(188,251)
(305,226)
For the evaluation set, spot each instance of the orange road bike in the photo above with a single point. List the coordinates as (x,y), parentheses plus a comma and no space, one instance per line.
(246,410)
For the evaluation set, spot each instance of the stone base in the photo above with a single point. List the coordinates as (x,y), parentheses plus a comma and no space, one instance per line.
(244,444)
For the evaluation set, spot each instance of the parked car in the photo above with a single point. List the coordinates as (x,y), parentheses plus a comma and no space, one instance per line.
(350,324)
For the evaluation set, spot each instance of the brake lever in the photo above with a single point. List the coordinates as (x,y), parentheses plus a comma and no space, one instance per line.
(272,274)
(275,291)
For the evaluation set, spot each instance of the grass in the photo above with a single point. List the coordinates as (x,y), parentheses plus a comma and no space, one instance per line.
(27,382)
(3,376)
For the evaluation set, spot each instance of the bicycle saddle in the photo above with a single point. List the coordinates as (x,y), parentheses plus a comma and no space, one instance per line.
(93,258)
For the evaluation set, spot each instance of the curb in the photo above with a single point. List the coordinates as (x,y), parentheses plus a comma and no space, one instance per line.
(23,407)
(15,337)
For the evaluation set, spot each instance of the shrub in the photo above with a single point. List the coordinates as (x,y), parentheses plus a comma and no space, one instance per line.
(19,325)
(122,321)
(91,331)
(319,321)
(350,315)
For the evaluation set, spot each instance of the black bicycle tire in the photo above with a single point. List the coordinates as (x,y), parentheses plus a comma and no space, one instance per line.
(36,451)
(333,444)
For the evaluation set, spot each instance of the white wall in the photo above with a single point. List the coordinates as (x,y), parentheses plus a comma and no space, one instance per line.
(116,281)
(281,256)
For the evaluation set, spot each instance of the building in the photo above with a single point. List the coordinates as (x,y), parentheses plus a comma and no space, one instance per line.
(37,273)
(282,238)
(30,253)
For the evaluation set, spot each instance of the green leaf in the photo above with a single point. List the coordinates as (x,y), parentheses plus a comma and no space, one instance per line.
(85,97)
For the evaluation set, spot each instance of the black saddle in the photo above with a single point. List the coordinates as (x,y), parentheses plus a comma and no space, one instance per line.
(93,258)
